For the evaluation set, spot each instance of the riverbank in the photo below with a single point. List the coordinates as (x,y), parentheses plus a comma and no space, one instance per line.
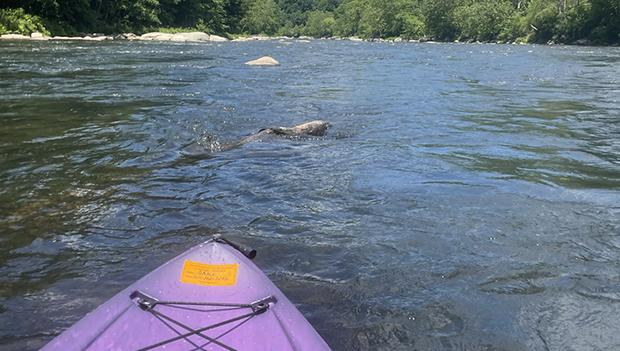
(205,37)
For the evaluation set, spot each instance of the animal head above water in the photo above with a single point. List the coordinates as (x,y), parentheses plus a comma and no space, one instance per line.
(315,128)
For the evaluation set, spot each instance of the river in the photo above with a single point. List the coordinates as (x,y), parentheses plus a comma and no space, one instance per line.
(466,197)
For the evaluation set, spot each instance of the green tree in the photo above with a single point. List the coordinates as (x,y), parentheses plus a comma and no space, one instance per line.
(320,24)
(515,28)
(412,26)
(327,5)
(348,16)
(209,13)
(439,20)
(262,16)
(375,18)
(140,14)
(605,18)
(296,11)
(574,23)
(541,17)
(379,19)
(17,20)
(234,14)
(482,20)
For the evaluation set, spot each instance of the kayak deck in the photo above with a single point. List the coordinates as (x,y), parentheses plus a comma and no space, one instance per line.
(209,298)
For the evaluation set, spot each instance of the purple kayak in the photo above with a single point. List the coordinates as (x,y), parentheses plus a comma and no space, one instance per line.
(211,297)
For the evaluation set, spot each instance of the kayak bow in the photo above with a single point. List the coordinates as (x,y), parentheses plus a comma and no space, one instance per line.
(211,297)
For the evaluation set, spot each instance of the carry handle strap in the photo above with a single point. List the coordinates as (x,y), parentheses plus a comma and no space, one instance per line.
(245,250)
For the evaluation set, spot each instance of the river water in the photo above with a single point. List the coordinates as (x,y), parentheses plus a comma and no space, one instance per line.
(466,197)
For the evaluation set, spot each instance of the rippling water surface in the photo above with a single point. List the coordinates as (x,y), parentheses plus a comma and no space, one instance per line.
(467,197)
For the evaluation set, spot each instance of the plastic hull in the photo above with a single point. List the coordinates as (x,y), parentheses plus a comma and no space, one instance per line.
(206,273)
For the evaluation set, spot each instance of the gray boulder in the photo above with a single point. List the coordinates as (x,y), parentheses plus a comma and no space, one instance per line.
(38,36)
(159,36)
(263,61)
(14,36)
(191,36)
(181,37)
(217,38)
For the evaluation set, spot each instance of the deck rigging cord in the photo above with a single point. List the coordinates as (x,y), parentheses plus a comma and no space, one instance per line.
(148,303)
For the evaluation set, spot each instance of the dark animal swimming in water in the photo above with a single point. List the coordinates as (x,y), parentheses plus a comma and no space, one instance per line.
(312,128)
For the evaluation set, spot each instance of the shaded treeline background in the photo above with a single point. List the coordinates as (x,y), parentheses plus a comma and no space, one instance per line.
(565,21)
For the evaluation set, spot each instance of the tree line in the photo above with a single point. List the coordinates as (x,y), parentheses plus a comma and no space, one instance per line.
(541,21)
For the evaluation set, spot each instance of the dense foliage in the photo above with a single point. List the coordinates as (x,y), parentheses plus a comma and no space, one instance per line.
(17,20)
(479,20)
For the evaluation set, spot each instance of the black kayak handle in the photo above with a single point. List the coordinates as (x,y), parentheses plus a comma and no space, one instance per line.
(245,250)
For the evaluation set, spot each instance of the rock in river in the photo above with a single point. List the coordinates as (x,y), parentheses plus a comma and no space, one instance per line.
(38,36)
(214,37)
(14,37)
(263,61)
(181,37)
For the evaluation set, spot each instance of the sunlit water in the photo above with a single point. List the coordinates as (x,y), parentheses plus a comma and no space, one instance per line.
(467,197)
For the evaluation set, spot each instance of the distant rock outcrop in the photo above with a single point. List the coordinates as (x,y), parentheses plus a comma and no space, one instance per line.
(253,37)
(582,42)
(126,36)
(191,36)
(14,36)
(159,36)
(181,37)
(38,36)
(263,61)
(216,38)
(153,36)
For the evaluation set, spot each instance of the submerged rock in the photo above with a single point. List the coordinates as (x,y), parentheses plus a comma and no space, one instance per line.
(263,61)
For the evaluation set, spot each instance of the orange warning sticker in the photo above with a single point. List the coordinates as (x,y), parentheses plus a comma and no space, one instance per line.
(209,274)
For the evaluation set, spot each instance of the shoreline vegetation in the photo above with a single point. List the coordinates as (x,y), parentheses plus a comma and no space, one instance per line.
(581,22)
